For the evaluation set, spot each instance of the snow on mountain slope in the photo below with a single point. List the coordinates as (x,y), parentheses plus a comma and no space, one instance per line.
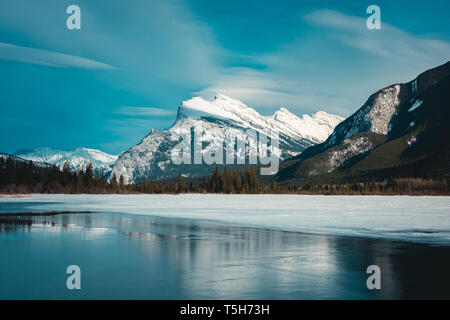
(381,112)
(38,164)
(373,119)
(77,159)
(152,156)
(374,116)
(315,128)
(408,116)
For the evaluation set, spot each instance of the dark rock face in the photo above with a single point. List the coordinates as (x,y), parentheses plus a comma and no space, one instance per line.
(402,130)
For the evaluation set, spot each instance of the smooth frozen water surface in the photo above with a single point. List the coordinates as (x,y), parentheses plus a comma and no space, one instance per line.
(225,247)
(417,219)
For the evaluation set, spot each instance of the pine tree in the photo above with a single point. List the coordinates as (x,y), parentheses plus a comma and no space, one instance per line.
(121,183)
(178,186)
(66,174)
(113,182)
(216,181)
(238,181)
(10,171)
(227,180)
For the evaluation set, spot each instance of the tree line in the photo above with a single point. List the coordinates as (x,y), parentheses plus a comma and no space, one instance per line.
(18,176)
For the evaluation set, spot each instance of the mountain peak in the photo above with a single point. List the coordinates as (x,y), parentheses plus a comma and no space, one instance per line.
(282,111)
(223,97)
(314,128)
(222,107)
(321,114)
(77,159)
(152,156)
(397,132)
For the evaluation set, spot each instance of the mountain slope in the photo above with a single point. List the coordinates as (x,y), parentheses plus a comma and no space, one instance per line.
(37,164)
(152,156)
(401,130)
(77,159)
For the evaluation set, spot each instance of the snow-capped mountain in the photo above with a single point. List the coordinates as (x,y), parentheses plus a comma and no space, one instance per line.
(5,156)
(77,159)
(399,126)
(152,156)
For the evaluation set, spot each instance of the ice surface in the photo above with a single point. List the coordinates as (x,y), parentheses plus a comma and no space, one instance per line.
(418,219)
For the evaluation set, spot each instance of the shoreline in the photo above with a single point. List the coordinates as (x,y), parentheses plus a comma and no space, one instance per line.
(229,224)
(43,213)
(414,194)
(412,218)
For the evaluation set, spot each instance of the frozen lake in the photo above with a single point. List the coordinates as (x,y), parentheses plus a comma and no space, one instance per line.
(417,219)
(225,246)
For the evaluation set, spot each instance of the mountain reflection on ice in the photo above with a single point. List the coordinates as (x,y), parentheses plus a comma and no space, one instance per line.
(145,257)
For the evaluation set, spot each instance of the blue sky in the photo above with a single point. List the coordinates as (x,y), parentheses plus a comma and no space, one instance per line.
(132,63)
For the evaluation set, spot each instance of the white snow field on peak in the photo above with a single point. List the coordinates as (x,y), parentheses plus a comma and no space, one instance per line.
(316,128)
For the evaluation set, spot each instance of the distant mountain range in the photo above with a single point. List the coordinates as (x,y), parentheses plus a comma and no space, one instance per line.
(77,159)
(402,130)
(37,164)
(152,156)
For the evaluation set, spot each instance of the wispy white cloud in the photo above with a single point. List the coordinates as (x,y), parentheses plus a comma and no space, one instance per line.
(144,112)
(389,42)
(335,67)
(47,58)
(263,89)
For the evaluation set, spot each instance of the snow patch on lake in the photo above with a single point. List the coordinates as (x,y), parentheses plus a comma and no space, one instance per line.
(417,219)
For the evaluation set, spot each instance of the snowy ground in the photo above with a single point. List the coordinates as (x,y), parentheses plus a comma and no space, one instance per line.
(417,219)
